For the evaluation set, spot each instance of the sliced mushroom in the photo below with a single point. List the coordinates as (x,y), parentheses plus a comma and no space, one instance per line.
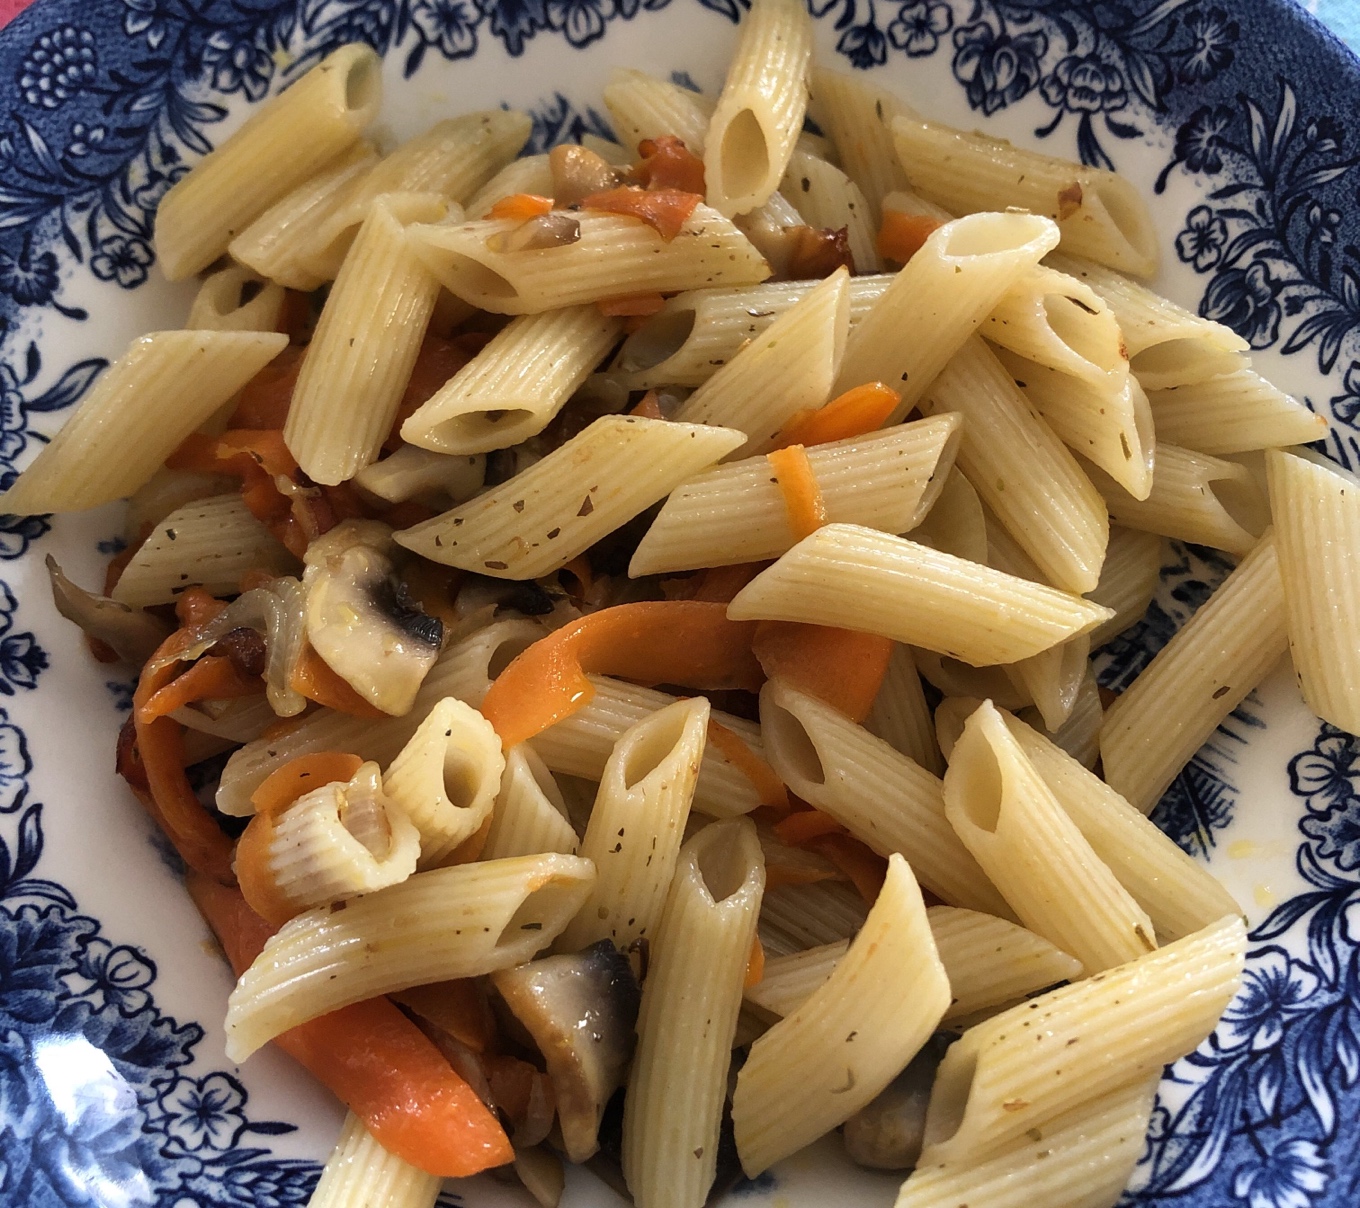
(547,230)
(580,1010)
(363,622)
(886,1133)
(129,632)
(578,172)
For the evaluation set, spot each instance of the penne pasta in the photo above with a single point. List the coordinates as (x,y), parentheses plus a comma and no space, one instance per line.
(360,1173)
(292,137)
(942,295)
(563,504)
(212,543)
(900,715)
(795,917)
(858,118)
(1100,214)
(436,926)
(881,797)
(366,342)
(787,368)
(856,578)
(615,256)
(637,824)
(735,512)
(686,1026)
(235,299)
(887,995)
(957,524)
(1128,580)
(1316,506)
(530,815)
(514,386)
(1059,322)
(828,199)
(755,124)
(1034,853)
(643,107)
(153,396)
(1234,413)
(411,471)
(1079,734)
(1196,680)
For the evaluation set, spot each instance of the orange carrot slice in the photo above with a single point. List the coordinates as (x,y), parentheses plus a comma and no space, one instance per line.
(858,411)
(521,207)
(664,210)
(648,406)
(374,1060)
(803,502)
(865,868)
(802,826)
(667,163)
(654,642)
(211,678)
(755,964)
(839,666)
(901,236)
(631,305)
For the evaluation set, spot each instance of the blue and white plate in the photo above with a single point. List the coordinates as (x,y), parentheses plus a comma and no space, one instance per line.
(1233,117)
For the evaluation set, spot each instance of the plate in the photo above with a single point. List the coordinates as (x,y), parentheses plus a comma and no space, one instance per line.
(1232,118)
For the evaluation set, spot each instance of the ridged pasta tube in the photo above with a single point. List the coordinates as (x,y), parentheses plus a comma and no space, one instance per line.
(447,777)
(827,199)
(291,137)
(900,715)
(642,107)
(1234,413)
(436,926)
(690,1001)
(1060,322)
(360,1173)
(235,299)
(1128,580)
(530,815)
(153,396)
(817,1067)
(637,824)
(858,118)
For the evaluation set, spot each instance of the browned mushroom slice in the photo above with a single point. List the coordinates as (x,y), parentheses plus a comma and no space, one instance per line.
(130,633)
(886,1133)
(580,1010)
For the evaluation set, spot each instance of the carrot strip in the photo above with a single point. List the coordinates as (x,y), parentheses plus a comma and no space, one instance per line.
(649,406)
(275,794)
(720,583)
(764,778)
(901,236)
(457,1007)
(374,1060)
(211,678)
(195,608)
(755,964)
(655,642)
(314,678)
(521,207)
(803,826)
(858,411)
(667,163)
(159,759)
(664,210)
(803,502)
(777,876)
(865,868)
(631,305)
(839,666)
(265,399)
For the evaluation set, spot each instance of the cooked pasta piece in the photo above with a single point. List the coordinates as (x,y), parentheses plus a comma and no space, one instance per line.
(211,544)
(857,578)
(1059,322)
(881,797)
(539,520)
(514,386)
(1128,580)
(338,841)
(755,124)
(1167,344)
(787,368)
(1316,506)
(530,815)
(1101,214)
(1035,854)
(235,299)
(447,777)
(288,140)
(152,397)
(794,917)
(1196,680)
(956,679)
(283,243)
(828,199)
(436,926)
(686,1026)
(1194,497)
(857,116)
(957,524)
(580,745)
(1079,735)
(464,670)
(1081,1159)
(637,824)
(410,472)
(1104,417)
(643,107)
(1021,470)
(614,256)
(360,1173)
(696,333)
(735,512)
(1053,679)
(941,296)
(1052,1055)
(529,174)
(366,342)
(1234,413)
(817,1067)
(900,715)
